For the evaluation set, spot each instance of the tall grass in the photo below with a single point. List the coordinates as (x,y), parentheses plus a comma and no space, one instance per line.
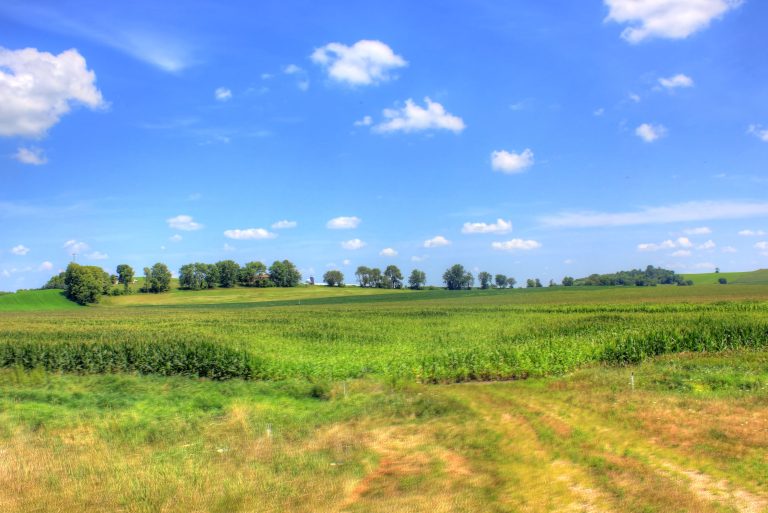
(483,337)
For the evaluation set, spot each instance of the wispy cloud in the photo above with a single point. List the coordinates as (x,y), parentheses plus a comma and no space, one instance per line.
(679,213)
(133,35)
(516,245)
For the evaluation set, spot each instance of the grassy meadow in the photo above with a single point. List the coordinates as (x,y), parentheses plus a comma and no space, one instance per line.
(315,399)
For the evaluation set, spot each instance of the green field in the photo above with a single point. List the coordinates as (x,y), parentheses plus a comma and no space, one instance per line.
(315,399)
(759,277)
(35,301)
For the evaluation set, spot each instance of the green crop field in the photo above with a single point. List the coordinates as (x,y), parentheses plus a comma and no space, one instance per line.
(759,277)
(319,399)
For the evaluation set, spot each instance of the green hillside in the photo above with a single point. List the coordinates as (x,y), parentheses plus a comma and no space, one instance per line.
(759,277)
(37,300)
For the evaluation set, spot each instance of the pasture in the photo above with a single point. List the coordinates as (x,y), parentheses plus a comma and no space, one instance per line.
(317,399)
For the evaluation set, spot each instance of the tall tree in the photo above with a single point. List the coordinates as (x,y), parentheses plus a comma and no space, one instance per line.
(485,280)
(511,282)
(284,274)
(125,275)
(363,275)
(395,277)
(456,278)
(568,281)
(501,281)
(417,279)
(334,278)
(158,278)
(228,273)
(530,283)
(375,278)
(85,284)
(254,274)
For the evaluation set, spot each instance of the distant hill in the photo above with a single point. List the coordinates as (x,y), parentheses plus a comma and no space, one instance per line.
(37,300)
(759,277)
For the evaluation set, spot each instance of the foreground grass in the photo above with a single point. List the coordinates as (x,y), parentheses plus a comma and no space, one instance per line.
(689,437)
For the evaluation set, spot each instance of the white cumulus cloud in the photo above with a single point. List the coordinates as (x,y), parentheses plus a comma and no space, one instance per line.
(650,133)
(364,63)
(343,223)
(389,252)
(511,162)
(670,19)
(759,132)
(32,156)
(20,250)
(284,225)
(45,266)
(183,222)
(761,245)
(676,81)
(516,244)
(366,121)
(500,226)
(414,118)
(701,230)
(222,94)
(436,242)
(680,242)
(38,88)
(710,244)
(249,233)
(752,233)
(353,244)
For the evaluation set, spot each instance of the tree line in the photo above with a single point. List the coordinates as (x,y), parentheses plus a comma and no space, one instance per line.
(85,284)
(228,273)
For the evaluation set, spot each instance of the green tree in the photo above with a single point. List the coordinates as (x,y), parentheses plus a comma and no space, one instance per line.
(485,280)
(56,282)
(501,281)
(363,275)
(417,279)
(284,274)
(254,274)
(157,279)
(457,278)
(228,271)
(334,278)
(375,278)
(85,284)
(511,282)
(125,275)
(568,281)
(394,276)
(530,283)
(552,283)
(537,283)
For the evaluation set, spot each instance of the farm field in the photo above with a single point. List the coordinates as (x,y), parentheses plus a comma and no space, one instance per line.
(600,399)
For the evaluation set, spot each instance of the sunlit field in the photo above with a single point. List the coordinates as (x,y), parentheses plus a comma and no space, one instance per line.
(317,399)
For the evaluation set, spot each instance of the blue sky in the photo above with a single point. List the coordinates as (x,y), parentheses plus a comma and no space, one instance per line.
(534,139)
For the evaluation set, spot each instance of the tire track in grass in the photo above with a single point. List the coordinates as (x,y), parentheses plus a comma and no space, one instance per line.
(643,460)
(531,477)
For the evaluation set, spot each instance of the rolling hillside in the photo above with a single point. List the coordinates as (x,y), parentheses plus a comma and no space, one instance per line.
(759,277)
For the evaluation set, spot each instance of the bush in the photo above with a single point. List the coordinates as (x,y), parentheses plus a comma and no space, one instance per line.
(722,281)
